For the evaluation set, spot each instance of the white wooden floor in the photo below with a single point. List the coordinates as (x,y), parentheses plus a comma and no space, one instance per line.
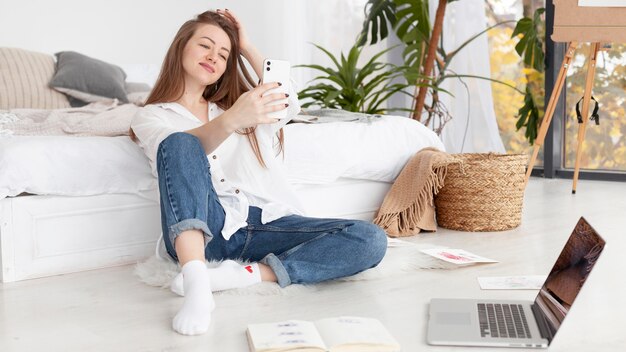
(110,310)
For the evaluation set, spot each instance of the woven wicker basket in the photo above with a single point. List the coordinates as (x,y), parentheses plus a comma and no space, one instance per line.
(485,192)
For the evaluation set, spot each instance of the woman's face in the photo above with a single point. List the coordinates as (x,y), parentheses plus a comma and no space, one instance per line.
(206,54)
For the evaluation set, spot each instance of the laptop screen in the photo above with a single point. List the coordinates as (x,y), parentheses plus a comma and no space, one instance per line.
(567,277)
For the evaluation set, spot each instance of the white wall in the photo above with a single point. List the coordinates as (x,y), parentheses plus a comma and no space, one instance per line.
(137,33)
(125,32)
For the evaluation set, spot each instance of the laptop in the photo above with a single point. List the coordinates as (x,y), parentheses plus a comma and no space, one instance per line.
(504,323)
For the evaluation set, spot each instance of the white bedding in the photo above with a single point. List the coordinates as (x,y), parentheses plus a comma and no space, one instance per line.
(314,154)
(72,166)
(322,153)
(346,198)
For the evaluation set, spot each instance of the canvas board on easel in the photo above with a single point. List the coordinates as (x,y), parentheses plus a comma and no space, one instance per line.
(590,21)
(602,3)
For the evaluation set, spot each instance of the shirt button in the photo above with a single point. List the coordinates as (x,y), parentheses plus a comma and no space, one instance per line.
(222,180)
(237,191)
(214,156)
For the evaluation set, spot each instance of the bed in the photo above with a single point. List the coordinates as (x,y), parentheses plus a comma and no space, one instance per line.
(72,203)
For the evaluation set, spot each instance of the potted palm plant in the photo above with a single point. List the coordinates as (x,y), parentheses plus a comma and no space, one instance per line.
(351,87)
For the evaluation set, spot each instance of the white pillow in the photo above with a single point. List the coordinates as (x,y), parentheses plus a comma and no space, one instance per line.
(138,98)
(137,92)
(144,73)
(321,153)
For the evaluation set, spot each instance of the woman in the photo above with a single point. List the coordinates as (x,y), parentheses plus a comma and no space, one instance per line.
(223,194)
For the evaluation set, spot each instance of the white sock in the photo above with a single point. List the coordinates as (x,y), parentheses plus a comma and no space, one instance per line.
(195,315)
(229,274)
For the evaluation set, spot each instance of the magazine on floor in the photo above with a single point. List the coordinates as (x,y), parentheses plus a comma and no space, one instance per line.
(330,334)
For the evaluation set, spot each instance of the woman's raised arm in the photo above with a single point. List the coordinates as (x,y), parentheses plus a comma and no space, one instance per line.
(249,110)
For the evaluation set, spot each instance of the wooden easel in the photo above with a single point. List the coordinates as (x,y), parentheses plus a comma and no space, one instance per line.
(574,24)
(547,119)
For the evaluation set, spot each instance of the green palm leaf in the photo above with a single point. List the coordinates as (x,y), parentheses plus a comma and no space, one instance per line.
(379,14)
(530,47)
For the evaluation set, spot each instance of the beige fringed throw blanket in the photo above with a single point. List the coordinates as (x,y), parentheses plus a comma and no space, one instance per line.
(408,208)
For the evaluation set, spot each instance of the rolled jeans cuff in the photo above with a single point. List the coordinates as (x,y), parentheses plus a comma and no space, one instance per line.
(190,224)
(279,270)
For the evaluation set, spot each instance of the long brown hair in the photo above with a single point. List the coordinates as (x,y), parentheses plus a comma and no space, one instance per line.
(235,81)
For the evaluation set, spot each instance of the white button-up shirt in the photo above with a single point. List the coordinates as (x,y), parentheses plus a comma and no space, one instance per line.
(238,178)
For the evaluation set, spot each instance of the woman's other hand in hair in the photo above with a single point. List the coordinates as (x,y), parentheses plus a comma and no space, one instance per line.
(244,42)
(249,51)
(252,107)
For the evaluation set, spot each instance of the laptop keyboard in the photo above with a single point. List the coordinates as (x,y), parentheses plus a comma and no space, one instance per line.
(503,321)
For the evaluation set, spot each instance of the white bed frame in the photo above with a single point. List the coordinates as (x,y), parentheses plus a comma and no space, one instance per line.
(50,235)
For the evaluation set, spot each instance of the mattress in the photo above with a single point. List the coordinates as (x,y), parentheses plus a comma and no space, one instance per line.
(377,151)
(344,198)
(72,166)
(315,154)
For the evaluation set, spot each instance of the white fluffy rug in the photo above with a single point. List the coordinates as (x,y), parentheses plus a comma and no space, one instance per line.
(401,257)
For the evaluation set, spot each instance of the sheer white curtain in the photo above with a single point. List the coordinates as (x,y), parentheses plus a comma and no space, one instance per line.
(473,127)
(332,24)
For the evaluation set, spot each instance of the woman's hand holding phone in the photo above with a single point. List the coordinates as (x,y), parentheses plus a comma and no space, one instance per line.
(277,71)
(252,108)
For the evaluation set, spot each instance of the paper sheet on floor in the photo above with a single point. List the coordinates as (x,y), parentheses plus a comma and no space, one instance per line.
(394,242)
(524,282)
(457,256)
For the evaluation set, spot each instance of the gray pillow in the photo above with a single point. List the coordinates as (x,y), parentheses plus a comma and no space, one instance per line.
(88,80)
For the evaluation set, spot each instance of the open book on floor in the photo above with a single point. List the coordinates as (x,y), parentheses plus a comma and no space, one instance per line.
(331,334)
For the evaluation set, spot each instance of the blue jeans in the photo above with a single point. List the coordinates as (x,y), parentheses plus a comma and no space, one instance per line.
(298,249)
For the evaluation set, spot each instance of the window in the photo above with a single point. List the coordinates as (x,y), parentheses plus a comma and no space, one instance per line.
(507,66)
(604,146)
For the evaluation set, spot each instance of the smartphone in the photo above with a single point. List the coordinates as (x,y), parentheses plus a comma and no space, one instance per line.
(277,71)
